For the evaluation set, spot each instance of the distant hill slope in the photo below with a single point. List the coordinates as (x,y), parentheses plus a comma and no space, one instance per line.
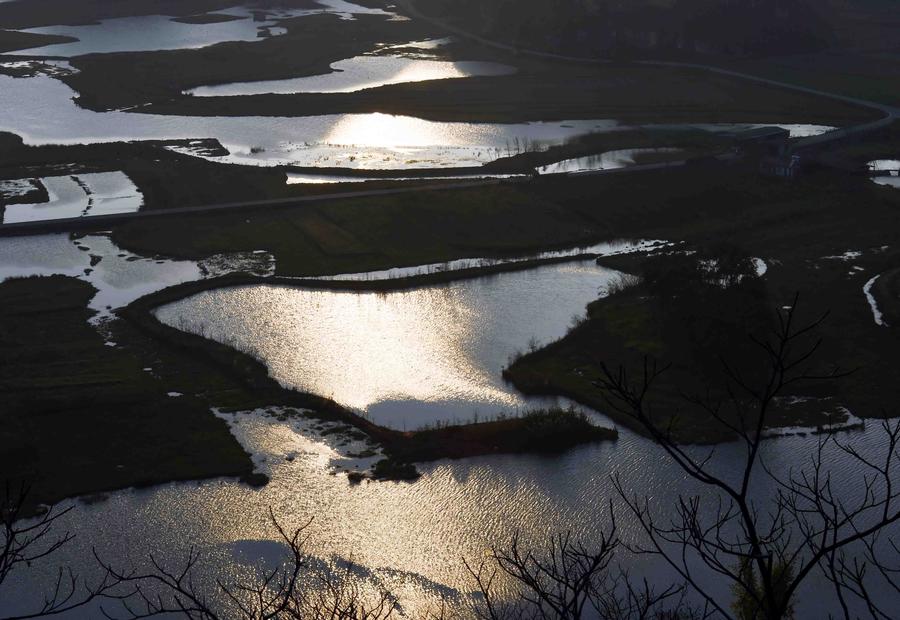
(709,27)
(864,25)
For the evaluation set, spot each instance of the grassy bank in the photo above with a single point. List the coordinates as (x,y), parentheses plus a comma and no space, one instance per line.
(102,395)
(11,40)
(624,328)
(371,233)
(859,73)
(621,331)
(545,431)
(815,216)
(81,417)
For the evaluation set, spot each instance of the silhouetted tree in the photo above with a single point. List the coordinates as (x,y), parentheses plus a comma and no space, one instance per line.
(766,551)
(765,548)
(565,580)
(26,543)
(292,591)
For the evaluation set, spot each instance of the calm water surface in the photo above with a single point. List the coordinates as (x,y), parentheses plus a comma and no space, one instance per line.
(160,32)
(41,110)
(407,359)
(410,537)
(360,73)
(81,195)
(888,172)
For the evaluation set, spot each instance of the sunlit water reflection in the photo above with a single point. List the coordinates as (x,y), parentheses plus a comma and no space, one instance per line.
(407,359)
(81,195)
(355,74)
(161,32)
(41,110)
(411,537)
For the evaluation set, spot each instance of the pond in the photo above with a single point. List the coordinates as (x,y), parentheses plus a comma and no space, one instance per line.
(407,360)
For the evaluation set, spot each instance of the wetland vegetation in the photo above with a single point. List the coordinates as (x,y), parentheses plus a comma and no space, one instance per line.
(80,417)
(111,403)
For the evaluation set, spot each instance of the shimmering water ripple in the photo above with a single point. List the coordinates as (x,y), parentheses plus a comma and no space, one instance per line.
(407,359)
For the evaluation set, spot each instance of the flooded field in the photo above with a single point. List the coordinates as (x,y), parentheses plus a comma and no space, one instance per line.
(120,277)
(81,195)
(886,172)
